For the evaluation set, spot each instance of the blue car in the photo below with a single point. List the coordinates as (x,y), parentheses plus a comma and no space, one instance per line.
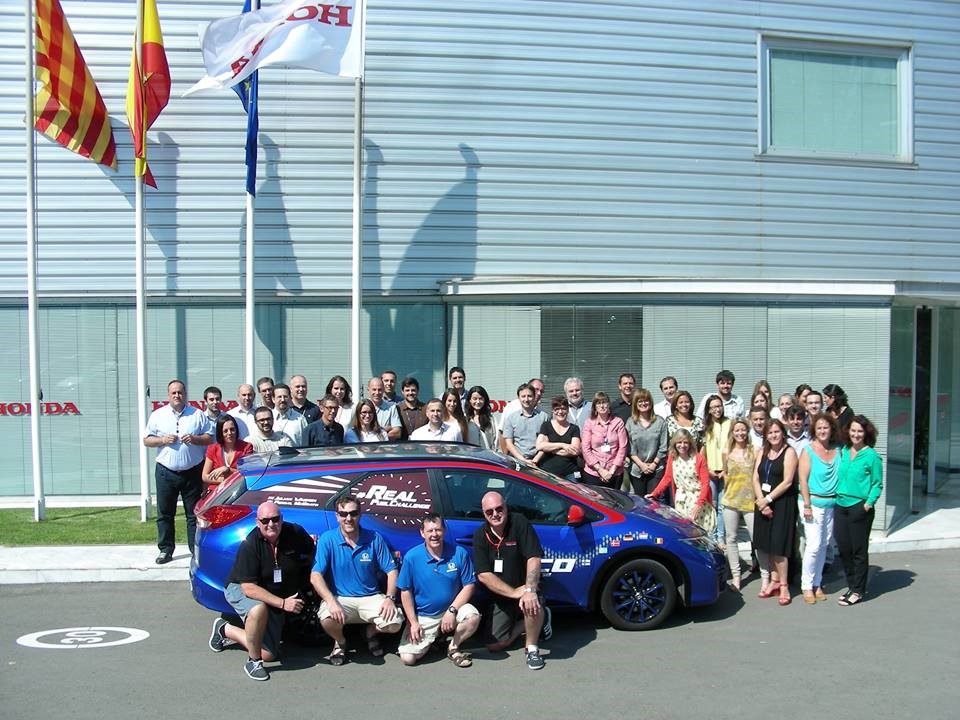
(605,550)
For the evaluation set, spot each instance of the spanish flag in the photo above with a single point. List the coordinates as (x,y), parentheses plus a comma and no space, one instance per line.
(68,107)
(148,89)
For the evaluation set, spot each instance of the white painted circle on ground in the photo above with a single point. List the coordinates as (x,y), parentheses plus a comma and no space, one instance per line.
(82,637)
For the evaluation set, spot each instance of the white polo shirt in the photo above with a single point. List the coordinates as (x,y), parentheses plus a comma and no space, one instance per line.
(446,432)
(190,421)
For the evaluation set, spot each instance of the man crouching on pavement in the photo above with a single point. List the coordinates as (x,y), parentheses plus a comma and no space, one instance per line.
(436,582)
(506,555)
(345,576)
(272,564)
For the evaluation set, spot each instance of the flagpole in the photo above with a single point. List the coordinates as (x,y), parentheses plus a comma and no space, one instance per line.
(39,503)
(142,391)
(249,321)
(356,269)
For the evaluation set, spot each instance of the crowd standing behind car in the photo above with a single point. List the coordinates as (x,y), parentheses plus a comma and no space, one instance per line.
(784,469)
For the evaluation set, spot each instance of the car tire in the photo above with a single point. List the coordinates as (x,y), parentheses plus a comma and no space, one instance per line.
(639,595)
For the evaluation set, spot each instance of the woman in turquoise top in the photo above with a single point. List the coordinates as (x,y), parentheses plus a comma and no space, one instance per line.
(818,468)
(859,487)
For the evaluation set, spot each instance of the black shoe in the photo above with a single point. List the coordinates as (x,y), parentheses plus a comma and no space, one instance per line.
(217,637)
(164,557)
(255,670)
(534,661)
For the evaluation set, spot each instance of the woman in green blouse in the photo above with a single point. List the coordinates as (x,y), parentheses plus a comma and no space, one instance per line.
(861,480)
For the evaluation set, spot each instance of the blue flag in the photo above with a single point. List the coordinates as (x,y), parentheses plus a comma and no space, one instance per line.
(247,92)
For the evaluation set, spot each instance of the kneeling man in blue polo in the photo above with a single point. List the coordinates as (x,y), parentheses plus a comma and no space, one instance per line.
(345,576)
(436,583)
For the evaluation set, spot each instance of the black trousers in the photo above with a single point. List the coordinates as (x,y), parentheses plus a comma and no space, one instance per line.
(171,485)
(851,528)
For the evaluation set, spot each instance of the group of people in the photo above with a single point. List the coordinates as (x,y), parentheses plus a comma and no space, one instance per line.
(801,469)
(428,596)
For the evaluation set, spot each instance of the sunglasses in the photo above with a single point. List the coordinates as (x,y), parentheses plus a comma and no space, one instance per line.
(268,520)
(348,513)
(498,510)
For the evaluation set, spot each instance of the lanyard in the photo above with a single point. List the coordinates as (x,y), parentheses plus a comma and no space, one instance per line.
(496,545)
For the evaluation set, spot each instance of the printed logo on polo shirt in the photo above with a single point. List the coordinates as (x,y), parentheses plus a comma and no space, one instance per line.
(365,556)
(451,567)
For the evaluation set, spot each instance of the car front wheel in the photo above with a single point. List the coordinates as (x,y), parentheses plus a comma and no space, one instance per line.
(638,595)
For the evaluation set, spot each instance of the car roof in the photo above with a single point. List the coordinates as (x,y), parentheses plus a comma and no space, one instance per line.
(375,452)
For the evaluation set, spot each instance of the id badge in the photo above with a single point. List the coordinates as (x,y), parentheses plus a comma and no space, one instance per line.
(277,575)
(605,448)
(765,487)
(498,565)
(576,475)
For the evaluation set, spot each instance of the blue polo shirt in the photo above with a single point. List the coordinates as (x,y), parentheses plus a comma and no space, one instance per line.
(352,571)
(435,583)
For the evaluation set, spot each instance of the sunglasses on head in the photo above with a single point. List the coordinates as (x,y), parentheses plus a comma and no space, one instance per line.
(275,519)
(348,513)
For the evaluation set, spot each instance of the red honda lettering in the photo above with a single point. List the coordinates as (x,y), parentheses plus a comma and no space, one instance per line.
(238,65)
(310,10)
(19,408)
(342,13)
(70,409)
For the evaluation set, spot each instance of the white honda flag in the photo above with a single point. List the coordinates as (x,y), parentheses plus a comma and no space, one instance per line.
(327,37)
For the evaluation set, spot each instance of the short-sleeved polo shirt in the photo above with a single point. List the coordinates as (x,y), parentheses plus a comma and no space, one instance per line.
(256,562)
(518,544)
(435,582)
(352,571)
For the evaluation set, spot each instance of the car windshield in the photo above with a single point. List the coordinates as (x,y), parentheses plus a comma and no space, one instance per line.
(608,497)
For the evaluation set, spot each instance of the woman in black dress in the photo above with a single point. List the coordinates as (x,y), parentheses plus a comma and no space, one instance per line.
(775,525)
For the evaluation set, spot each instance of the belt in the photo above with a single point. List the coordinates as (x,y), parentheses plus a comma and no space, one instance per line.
(827,497)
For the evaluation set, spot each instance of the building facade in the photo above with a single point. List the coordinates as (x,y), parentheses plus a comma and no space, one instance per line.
(549,188)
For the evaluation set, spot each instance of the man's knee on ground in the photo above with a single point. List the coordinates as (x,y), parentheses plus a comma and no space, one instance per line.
(409,659)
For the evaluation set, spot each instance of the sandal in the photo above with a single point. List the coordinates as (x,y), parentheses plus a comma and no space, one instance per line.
(809,598)
(339,656)
(851,599)
(459,658)
(784,598)
(820,594)
(373,645)
(771,590)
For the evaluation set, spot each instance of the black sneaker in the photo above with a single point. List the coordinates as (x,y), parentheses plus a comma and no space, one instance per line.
(217,637)
(255,670)
(534,661)
(163,558)
(546,632)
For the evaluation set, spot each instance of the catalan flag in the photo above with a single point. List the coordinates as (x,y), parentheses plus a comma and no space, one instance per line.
(148,89)
(68,107)
(247,92)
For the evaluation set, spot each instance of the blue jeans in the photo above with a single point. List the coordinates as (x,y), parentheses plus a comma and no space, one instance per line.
(186,484)
(716,495)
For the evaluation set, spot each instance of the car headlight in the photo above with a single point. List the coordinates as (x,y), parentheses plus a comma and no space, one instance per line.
(702,543)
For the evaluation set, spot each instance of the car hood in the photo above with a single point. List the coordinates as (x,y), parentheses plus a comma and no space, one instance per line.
(651,511)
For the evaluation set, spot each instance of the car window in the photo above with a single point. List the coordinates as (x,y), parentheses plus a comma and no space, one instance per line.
(399,497)
(466,488)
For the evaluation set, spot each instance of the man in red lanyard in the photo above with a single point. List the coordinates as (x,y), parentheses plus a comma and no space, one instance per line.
(272,564)
(506,554)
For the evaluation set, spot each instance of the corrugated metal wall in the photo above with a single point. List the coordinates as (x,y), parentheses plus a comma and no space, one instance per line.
(526,138)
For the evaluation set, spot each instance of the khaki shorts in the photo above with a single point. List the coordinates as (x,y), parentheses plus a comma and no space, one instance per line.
(364,611)
(430,625)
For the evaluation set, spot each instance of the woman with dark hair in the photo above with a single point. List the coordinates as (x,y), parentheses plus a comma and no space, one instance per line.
(775,525)
(687,474)
(222,455)
(453,411)
(365,426)
(858,489)
(716,432)
(800,394)
(559,441)
(835,403)
(603,441)
(481,430)
(648,443)
(341,390)
(818,468)
(682,418)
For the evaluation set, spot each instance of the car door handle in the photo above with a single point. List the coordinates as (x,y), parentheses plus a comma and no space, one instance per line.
(464,540)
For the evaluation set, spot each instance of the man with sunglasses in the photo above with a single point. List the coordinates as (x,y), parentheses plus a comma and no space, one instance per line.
(272,564)
(506,555)
(345,576)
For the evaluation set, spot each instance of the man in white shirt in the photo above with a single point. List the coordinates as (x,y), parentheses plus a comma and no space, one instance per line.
(797,436)
(181,434)
(285,419)
(669,387)
(243,412)
(264,438)
(387,414)
(758,419)
(732,404)
(579,407)
(436,429)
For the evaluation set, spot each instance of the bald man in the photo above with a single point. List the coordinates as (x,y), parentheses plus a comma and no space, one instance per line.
(273,563)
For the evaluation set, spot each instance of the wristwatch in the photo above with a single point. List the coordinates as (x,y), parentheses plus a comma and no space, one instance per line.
(452,609)
(393,597)
(530,589)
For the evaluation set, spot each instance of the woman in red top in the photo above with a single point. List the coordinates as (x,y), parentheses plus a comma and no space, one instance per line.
(222,455)
(687,473)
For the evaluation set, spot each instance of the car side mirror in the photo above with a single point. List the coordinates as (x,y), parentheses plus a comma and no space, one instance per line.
(576,516)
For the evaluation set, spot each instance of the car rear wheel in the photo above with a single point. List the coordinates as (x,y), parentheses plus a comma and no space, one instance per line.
(638,595)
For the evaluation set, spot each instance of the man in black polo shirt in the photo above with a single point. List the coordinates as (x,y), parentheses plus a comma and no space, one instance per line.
(272,564)
(506,553)
(325,431)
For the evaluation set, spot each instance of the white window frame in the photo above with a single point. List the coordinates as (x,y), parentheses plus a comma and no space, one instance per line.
(902,52)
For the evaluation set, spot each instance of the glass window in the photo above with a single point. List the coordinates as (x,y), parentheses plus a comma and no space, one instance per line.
(845,101)
(466,489)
